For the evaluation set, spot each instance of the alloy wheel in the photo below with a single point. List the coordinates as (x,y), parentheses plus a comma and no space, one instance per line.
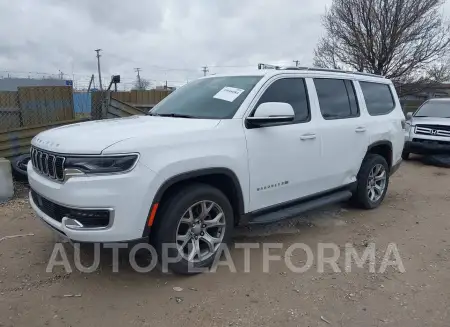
(200,231)
(376,183)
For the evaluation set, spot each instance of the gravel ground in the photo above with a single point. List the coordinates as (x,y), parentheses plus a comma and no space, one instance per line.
(414,215)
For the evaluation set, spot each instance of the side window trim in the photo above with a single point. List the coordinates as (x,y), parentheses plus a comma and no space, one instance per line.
(354,105)
(346,82)
(254,104)
(389,86)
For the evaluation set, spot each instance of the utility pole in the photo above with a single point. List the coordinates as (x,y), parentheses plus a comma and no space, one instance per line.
(205,70)
(138,76)
(90,82)
(99,71)
(296,62)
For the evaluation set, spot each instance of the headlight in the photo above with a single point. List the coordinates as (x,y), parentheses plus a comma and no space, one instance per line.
(101,165)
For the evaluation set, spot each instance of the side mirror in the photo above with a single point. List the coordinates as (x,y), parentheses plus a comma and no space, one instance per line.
(409,115)
(271,113)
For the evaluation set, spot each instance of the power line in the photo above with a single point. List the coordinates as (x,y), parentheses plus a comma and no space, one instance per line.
(171,68)
(297,62)
(205,70)
(232,66)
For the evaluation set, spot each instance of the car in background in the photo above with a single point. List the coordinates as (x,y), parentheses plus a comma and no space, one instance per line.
(428,129)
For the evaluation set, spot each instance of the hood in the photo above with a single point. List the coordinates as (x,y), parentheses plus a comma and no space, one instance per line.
(93,137)
(430,121)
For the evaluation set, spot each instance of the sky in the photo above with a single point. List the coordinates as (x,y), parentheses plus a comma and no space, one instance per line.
(168,39)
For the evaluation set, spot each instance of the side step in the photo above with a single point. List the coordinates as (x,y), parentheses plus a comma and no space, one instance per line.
(296,209)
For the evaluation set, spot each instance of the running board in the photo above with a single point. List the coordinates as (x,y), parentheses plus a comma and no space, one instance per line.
(296,209)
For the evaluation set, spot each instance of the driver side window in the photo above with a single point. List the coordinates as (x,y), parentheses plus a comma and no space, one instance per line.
(292,91)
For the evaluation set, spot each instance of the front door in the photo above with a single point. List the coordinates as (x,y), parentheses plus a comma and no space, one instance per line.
(283,158)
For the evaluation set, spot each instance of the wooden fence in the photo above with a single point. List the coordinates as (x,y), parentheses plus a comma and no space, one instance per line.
(31,110)
(140,100)
(17,141)
(118,109)
(32,106)
(147,97)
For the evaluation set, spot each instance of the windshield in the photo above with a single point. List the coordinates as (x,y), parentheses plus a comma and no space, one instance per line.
(434,109)
(213,98)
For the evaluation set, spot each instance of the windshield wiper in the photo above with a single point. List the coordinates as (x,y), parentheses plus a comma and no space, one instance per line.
(173,115)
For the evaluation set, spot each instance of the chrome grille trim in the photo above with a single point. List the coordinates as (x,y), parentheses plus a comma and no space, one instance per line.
(39,161)
(51,166)
(432,131)
(48,164)
(45,163)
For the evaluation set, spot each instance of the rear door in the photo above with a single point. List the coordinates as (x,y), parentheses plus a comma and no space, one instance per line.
(385,115)
(342,129)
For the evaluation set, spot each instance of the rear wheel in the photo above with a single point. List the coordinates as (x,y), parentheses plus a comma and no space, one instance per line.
(372,183)
(196,220)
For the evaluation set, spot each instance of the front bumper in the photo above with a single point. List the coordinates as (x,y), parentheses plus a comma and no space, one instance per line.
(424,146)
(128,196)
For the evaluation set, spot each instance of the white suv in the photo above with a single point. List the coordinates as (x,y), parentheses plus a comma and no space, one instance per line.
(220,151)
(428,129)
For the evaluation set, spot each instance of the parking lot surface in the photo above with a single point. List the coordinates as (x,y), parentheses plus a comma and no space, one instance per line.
(415,216)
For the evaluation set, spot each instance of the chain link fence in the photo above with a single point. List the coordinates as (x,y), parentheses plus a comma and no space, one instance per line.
(37,106)
(32,109)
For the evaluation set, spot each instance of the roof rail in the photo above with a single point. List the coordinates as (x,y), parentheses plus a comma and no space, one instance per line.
(318,69)
(365,74)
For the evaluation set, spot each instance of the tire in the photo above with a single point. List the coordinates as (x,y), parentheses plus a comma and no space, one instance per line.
(438,160)
(361,196)
(405,155)
(169,225)
(19,167)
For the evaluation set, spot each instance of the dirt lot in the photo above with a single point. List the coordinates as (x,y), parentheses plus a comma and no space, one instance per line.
(415,215)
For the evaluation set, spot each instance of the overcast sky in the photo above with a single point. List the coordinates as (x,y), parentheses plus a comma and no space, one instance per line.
(51,35)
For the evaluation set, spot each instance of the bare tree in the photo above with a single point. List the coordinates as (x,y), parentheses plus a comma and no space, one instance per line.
(404,40)
(141,84)
(429,78)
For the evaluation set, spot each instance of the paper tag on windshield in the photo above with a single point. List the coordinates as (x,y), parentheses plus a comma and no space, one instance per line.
(228,94)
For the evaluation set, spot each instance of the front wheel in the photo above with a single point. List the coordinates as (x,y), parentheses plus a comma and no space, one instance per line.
(372,183)
(194,222)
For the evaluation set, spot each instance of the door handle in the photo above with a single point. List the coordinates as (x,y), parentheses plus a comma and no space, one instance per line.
(308,136)
(360,129)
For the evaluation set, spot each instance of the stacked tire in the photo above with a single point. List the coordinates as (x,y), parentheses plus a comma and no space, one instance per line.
(19,167)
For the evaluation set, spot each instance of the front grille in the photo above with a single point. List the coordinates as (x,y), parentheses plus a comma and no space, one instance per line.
(424,141)
(48,164)
(435,130)
(89,218)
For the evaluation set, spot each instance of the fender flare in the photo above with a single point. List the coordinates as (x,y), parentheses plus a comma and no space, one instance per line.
(383,142)
(195,174)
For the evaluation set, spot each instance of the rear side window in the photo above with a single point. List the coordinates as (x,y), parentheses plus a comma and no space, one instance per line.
(337,98)
(292,91)
(378,97)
